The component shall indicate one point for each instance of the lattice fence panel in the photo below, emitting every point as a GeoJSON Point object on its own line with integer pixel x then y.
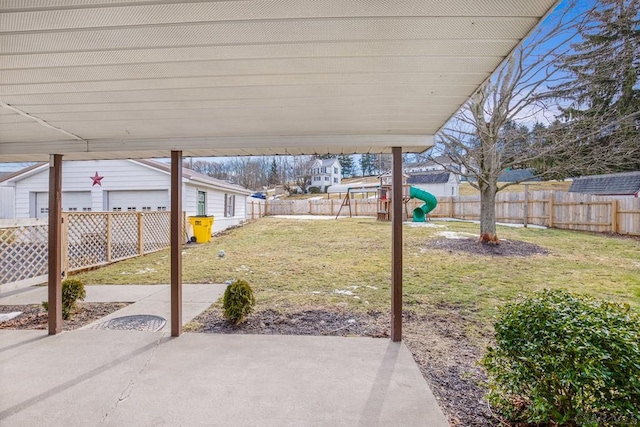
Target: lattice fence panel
{"type": "Point", "coordinates": [156, 230]}
{"type": "Point", "coordinates": [23, 252]}
{"type": "Point", "coordinates": [124, 235]}
{"type": "Point", "coordinates": [87, 239]}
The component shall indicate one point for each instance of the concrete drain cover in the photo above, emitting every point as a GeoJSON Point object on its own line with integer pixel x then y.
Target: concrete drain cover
{"type": "Point", "coordinates": [139, 322]}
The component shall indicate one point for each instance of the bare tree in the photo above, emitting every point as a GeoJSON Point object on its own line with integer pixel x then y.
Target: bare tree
{"type": "Point", "coordinates": [485, 138]}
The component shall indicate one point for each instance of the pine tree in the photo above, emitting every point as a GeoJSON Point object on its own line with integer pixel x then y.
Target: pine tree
{"type": "Point", "coordinates": [605, 86]}
{"type": "Point", "coordinates": [273, 178]}
{"type": "Point", "coordinates": [348, 167]}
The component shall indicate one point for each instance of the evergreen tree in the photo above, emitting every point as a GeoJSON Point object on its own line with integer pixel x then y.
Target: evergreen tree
{"type": "Point", "coordinates": [368, 164]}
{"type": "Point", "coordinates": [348, 167]}
{"type": "Point", "coordinates": [604, 90]}
{"type": "Point", "coordinates": [273, 178]}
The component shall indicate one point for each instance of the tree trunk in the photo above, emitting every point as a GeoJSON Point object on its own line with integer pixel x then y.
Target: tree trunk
{"type": "Point", "coordinates": [488, 214]}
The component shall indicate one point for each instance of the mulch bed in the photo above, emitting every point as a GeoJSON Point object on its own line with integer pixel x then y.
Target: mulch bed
{"type": "Point", "coordinates": [504, 248]}
{"type": "Point", "coordinates": [35, 317]}
{"type": "Point", "coordinates": [439, 345]}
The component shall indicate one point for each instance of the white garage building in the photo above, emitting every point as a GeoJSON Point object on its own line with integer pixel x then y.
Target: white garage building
{"type": "Point", "coordinates": [125, 186]}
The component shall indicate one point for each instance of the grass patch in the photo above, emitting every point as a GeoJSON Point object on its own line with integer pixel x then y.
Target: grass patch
{"type": "Point", "coordinates": [346, 263]}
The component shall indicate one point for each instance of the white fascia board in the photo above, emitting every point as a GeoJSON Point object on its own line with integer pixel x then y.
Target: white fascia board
{"type": "Point", "coordinates": [216, 146]}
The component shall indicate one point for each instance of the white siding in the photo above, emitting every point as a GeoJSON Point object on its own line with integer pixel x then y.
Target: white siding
{"type": "Point", "coordinates": [7, 203]}
{"type": "Point", "coordinates": [215, 206]}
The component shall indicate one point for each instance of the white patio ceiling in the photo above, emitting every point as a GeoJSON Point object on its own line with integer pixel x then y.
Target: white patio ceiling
{"type": "Point", "coordinates": [136, 79]}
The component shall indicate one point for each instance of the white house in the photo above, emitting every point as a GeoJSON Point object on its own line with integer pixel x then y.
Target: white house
{"type": "Point", "coordinates": [325, 172]}
{"type": "Point", "coordinates": [438, 164]}
{"type": "Point", "coordinates": [438, 183]}
{"type": "Point", "coordinates": [125, 186]}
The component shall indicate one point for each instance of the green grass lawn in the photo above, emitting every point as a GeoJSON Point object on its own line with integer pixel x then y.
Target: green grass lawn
{"type": "Point", "coordinates": [346, 263]}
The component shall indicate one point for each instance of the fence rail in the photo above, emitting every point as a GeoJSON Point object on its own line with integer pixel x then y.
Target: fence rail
{"type": "Point", "coordinates": [549, 208]}
{"type": "Point", "coordinates": [89, 239]}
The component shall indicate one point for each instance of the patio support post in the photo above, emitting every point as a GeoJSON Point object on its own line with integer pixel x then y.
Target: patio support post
{"type": "Point", "coordinates": [396, 246]}
{"type": "Point", "coordinates": [176, 243]}
{"type": "Point", "coordinates": [55, 245]}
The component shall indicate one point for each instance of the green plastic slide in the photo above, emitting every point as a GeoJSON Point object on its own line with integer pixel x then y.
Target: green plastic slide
{"type": "Point", "coordinates": [430, 203]}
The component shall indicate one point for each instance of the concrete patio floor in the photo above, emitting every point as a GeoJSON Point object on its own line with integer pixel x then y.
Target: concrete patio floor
{"type": "Point", "coordinates": [115, 378]}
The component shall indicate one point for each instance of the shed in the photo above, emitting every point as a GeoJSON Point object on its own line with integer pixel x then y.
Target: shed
{"type": "Point", "coordinates": [438, 183]}
{"type": "Point", "coordinates": [615, 184]}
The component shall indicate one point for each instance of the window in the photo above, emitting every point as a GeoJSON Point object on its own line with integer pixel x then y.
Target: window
{"type": "Point", "coordinates": [335, 180]}
{"type": "Point", "coordinates": [44, 210]}
{"type": "Point", "coordinates": [72, 209]}
{"type": "Point", "coordinates": [146, 208]}
{"type": "Point", "coordinates": [162, 208]}
{"type": "Point", "coordinates": [202, 203]}
{"type": "Point", "coordinates": [324, 170]}
{"type": "Point", "coordinates": [131, 209]}
{"type": "Point", "coordinates": [335, 170]}
{"type": "Point", "coordinates": [229, 205]}
{"type": "Point", "coordinates": [117, 209]}
{"type": "Point", "coordinates": [86, 209]}
{"type": "Point", "coordinates": [326, 178]}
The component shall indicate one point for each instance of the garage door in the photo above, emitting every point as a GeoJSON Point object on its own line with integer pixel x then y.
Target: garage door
{"type": "Point", "coordinates": [72, 201]}
{"type": "Point", "coordinates": [132, 201]}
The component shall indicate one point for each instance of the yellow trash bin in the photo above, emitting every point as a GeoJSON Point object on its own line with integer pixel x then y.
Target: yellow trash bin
{"type": "Point", "coordinates": [201, 227]}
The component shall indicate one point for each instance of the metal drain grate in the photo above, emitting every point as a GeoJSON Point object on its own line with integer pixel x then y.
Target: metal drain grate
{"type": "Point", "coordinates": [138, 322]}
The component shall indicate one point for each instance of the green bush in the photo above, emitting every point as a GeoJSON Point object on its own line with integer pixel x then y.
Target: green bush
{"type": "Point", "coordinates": [314, 190]}
{"type": "Point", "coordinates": [238, 301]}
{"type": "Point", "coordinates": [567, 360]}
{"type": "Point", "coordinates": [72, 291]}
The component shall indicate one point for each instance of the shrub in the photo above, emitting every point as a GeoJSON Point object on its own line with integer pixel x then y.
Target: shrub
{"type": "Point", "coordinates": [566, 359]}
{"type": "Point", "coordinates": [72, 291]}
{"type": "Point", "coordinates": [314, 190]}
{"type": "Point", "coordinates": [238, 301]}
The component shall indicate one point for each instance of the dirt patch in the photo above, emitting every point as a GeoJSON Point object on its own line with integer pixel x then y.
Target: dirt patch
{"type": "Point", "coordinates": [473, 246]}
{"type": "Point", "coordinates": [35, 317]}
{"type": "Point", "coordinates": [441, 348]}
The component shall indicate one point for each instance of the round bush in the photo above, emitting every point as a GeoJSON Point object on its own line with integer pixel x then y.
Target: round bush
{"type": "Point", "coordinates": [72, 291]}
{"type": "Point", "coordinates": [565, 359]}
{"type": "Point", "coordinates": [238, 301]}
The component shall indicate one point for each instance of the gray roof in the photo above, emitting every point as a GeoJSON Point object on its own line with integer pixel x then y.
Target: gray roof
{"type": "Point", "coordinates": [515, 175]}
{"type": "Point", "coordinates": [626, 183]}
{"type": "Point", "coordinates": [429, 178]}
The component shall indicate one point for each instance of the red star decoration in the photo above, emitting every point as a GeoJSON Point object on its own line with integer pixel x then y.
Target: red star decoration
{"type": "Point", "coordinates": [96, 179]}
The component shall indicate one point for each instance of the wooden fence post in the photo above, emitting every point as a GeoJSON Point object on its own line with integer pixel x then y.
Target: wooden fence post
{"type": "Point", "coordinates": [614, 216]}
{"type": "Point", "coordinates": [453, 207]}
{"type": "Point", "coordinates": [140, 233]}
{"type": "Point", "coordinates": [355, 206]}
{"type": "Point", "coordinates": [551, 199]}
{"type": "Point", "coordinates": [525, 220]}
{"type": "Point", "coordinates": [109, 215]}
{"type": "Point", "coordinates": [331, 201]}
{"type": "Point", "coordinates": [309, 207]}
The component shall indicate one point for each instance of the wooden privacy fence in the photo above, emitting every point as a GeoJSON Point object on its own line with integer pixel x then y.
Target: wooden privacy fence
{"type": "Point", "coordinates": [256, 209]}
{"type": "Point", "coordinates": [88, 240]}
{"type": "Point", "coordinates": [571, 211]}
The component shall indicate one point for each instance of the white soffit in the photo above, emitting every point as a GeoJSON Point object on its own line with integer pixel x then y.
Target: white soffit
{"type": "Point", "coordinates": [136, 79]}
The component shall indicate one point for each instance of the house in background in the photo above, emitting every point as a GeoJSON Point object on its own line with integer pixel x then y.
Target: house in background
{"type": "Point", "coordinates": [325, 172]}
{"type": "Point", "coordinates": [125, 186]}
{"type": "Point", "coordinates": [615, 184]}
{"type": "Point", "coordinates": [438, 183]}
{"type": "Point", "coordinates": [438, 164]}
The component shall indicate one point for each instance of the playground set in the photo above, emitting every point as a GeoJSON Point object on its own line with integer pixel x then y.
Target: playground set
{"type": "Point", "coordinates": [383, 190]}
